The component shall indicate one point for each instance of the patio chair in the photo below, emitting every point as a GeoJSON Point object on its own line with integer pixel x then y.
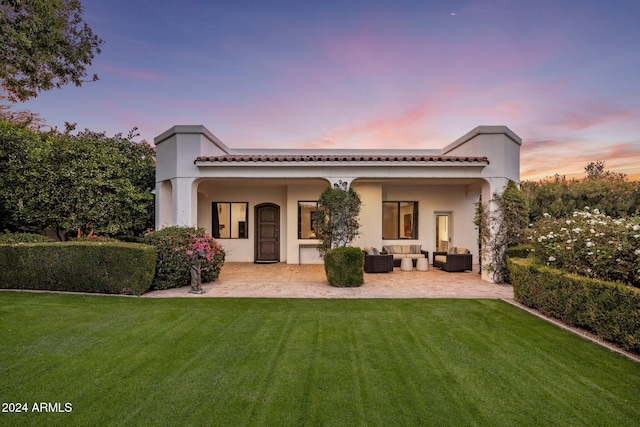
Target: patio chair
{"type": "Point", "coordinates": [456, 260]}
{"type": "Point", "coordinates": [380, 263]}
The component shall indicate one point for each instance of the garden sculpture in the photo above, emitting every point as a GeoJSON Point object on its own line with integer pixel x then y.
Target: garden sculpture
{"type": "Point", "coordinates": [196, 276]}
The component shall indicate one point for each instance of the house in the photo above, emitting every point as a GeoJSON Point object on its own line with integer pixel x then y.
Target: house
{"type": "Point", "coordinates": [258, 203]}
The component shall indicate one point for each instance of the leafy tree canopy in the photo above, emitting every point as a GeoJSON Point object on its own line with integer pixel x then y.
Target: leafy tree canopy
{"type": "Point", "coordinates": [58, 181]}
{"type": "Point", "coordinates": [44, 44]}
{"type": "Point", "coordinates": [335, 223]}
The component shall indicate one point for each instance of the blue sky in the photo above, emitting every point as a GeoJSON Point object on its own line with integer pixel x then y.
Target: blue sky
{"type": "Point", "coordinates": [563, 75]}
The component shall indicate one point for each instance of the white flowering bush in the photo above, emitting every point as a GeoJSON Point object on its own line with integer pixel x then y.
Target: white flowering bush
{"type": "Point", "coordinates": [591, 244]}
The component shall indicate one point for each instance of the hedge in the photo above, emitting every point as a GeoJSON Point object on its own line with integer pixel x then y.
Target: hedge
{"type": "Point", "coordinates": [344, 267]}
{"type": "Point", "coordinates": [610, 310]}
{"type": "Point", "coordinates": [112, 268]}
{"type": "Point", "coordinates": [10, 238]}
{"type": "Point", "coordinates": [520, 251]}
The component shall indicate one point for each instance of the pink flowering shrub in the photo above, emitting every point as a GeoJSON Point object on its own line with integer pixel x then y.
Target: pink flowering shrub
{"type": "Point", "coordinates": [175, 247]}
{"type": "Point", "coordinates": [591, 244]}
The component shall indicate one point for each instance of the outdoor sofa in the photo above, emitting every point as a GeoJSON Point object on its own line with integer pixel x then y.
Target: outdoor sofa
{"type": "Point", "coordinates": [456, 259]}
{"type": "Point", "coordinates": [405, 251]}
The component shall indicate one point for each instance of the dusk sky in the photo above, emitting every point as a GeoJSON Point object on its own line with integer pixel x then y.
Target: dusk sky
{"type": "Point", "coordinates": [562, 74]}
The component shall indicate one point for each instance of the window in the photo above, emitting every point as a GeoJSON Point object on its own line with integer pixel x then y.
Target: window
{"type": "Point", "coordinates": [229, 220]}
{"type": "Point", "coordinates": [305, 219]}
{"type": "Point", "coordinates": [399, 220]}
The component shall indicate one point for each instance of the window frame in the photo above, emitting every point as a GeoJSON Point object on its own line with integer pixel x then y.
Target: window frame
{"type": "Point", "coordinates": [310, 220]}
{"type": "Point", "coordinates": [399, 220]}
{"type": "Point", "coordinates": [215, 221]}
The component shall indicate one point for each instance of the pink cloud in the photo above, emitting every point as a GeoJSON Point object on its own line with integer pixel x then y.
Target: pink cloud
{"type": "Point", "coordinates": [404, 130]}
{"type": "Point", "coordinates": [540, 159]}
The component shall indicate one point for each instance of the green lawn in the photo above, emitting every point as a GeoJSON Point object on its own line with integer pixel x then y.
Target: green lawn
{"type": "Point", "coordinates": [232, 362]}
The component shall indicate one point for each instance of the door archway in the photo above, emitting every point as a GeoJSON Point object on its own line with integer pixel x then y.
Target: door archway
{"type": "Point", "coordinates": [267, 232]}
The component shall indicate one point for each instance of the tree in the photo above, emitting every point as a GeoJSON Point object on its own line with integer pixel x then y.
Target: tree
{"type": "Point", "coordinates": [596, 170]}
{"type": "Point", "coordinates": [16, 142]}
{"type": "Point", "coordinates": [65, 182]}
{"type": "Point", "coordinates": [44, 44]}
{"type": "Point", "coordinates": [25, 118]}
{"type": "Point", "coordinates": [335, 223]}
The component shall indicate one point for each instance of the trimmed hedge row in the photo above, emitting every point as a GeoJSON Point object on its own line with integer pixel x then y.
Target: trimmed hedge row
{"type": "Point", "coordinates": [344, 267]}
{"type": "Point", "coordinates": [609, 310]}
{"type": "Point", "coordinates": [105, 267]}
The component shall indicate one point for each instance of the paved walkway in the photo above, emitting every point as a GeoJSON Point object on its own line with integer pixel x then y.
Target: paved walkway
{"type": "Point", "coordinates": [309, 281]}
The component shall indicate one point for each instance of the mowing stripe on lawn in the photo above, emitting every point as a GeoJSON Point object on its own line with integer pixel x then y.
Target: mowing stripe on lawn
{"type": "Point", "coordinates": [132, 361]}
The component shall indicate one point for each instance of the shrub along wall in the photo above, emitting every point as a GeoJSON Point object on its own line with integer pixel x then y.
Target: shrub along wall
{"type": "Point", "coordinates": [609, 310]}
{"type": "Point", "coordinates": [112, 268]}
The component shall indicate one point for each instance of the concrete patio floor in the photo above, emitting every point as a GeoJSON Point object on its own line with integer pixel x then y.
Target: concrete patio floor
{"type": "Point", "coordinates": [248, 280]}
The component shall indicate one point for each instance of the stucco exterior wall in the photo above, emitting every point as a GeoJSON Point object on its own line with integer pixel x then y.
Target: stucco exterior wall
{"type": "Point", "coordinates": [188, 181]}
{"type": "Point", "coordinates": [299, 192]}
{"type": "Point", "coordinates": [370, 214]}
{"type": "Point", "coordinates": [498, 143]}
{"type": "Point", "coordinates": [242, 250]}
{"type": "Point", "coordinates": [456, 200]}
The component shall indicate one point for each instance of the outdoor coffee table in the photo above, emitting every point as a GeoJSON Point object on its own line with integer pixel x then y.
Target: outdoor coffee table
{"type": "Point", "coordinates": [422, 264]}
{"type": "Point", "coordinates": [406, 264]}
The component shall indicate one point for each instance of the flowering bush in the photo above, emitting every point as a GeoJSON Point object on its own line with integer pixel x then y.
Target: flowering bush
{"type": "Point", "coordinates": [175, 246]}
{"type": "Point", "coordinates": [591, 244]}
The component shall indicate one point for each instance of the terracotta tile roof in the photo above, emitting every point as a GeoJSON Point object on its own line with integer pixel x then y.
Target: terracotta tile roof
{"type": "Point", "coordinates": [349, 158]}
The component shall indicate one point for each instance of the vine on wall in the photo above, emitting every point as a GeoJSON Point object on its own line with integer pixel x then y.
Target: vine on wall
{"type": "Point", "coordinates": [501, 228]}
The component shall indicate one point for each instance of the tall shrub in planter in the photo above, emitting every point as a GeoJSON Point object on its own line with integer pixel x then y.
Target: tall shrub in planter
{"type": "Point", "coordinates": [335, 224]}
{"type": "Point", "coordinates": [175, 247]}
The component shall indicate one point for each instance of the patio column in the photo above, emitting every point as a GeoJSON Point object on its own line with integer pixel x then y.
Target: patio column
{"type": "Point", "coordinates": [164, 204]}
{"type": "Point", "coordinates": [490, 186]}
{"type": "Point", "coordinates": [184, 202]}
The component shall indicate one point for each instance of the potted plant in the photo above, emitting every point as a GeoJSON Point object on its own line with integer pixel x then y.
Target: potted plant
{"type": "Point", "coordinates": [336, 225]}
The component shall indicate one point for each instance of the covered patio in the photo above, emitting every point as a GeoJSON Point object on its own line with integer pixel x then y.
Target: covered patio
{"type": "Point", "coordinates": [281, 280]}
{"type": "Point", "coordinates": [258, 202]}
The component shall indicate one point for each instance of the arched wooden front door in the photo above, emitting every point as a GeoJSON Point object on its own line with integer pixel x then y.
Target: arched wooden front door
{"type": "Point", "coordinates": [267, 245]}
